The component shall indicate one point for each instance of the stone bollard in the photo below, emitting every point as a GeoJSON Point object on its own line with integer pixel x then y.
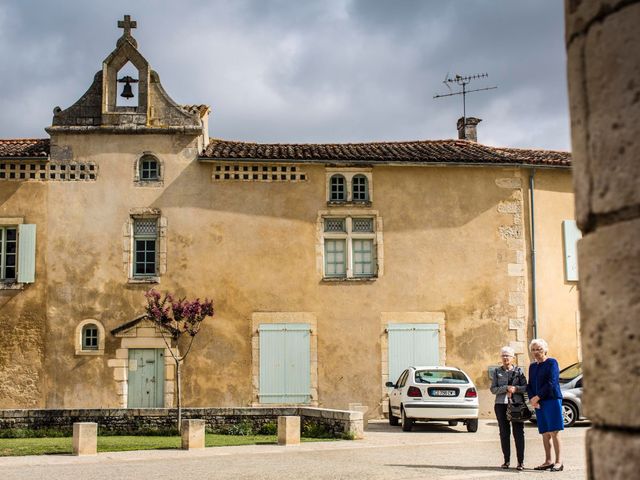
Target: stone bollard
{"type": "Point", "coordinates": [355, 425]}
{"type": "Point", "coordinates": [288, 430]}
{"type": "Point", "coordinates": [85, 438]}
{"type": "Point", "coordinates": [192, 434]}
{"type": "Point", "coordinates": [358, 407]}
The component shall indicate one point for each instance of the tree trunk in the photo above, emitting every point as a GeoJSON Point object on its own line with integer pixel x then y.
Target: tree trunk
{"type": "Point", "coordinates": [179, 395]}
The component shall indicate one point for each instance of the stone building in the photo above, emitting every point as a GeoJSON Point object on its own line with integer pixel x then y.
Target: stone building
{"type": "Point", "coordinates": [332, 266]}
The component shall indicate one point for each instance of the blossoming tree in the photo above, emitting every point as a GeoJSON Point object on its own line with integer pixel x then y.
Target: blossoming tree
{"type": "Point", "coordinates": [177, 318]}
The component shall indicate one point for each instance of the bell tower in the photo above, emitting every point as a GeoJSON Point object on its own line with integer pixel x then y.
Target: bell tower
{"type": "Point", "coordinates": [126, 52]}
{"type": "Point", "coordinates": [126, 96]}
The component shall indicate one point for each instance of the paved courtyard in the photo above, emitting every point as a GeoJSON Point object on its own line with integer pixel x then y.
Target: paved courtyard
{"type": "Point", "coordinates": [429, 452]}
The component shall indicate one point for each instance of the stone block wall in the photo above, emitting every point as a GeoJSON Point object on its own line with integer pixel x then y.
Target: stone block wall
{"type": "Point", "coordinates": [121, 420]}
{"type": "Point", "coordinates": [604, 93]}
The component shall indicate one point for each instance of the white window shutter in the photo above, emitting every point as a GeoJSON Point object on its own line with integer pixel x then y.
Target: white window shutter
{"type": "Point", "coordinates": [26, 253]}
{"type": "Point", "coordinates": [571, 236]}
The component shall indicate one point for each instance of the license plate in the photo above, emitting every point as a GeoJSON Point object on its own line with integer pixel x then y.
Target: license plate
{"type": "Point", "coordinates": [443, 393]}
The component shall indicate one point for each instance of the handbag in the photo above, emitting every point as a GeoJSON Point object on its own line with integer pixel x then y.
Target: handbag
{"type": "Point", "coordinates": [518, 412]}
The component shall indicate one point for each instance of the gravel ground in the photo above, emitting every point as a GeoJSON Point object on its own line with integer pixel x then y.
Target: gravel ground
{"type": "Point", "coordinates": [431, 451]}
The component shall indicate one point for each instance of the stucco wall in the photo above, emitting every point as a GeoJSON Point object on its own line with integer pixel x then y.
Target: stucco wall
{"type": "Point", "coordinates": [454, 244]}
{"type": "Point", "coordinates": [558, 317]}
{"type": "Point", "coordinates": [22, 310]}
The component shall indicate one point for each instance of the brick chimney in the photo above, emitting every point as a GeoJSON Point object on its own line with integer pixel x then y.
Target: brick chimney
{"type": "Point", "coordinates": [468, 131]}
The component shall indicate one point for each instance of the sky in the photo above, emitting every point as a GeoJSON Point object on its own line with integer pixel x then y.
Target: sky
{"type": "Point", "coordinates": [304, 71]}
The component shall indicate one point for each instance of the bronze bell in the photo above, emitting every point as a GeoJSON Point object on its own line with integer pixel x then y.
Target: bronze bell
{"type": "Point", "coordinates": [127, 92]}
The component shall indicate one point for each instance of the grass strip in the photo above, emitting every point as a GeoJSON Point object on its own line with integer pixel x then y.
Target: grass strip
{"type": "Point", "coordinates": [64, 445]}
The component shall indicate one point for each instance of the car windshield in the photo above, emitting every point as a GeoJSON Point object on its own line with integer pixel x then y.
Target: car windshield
{"type": "Point", "coordinates": [440, 376]}
{"type": "Point", "coordinates": [569, 373]}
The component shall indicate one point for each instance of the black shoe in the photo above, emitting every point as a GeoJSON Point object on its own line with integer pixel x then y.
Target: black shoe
{"type": "Point", "coordinates": [520, 467]}
{"type": "Point", "coordinates": [544, 467]}
{"type": "Point", "coordinates": [505, 465]}
{"type": "Point", "coordinates": [556, 469]}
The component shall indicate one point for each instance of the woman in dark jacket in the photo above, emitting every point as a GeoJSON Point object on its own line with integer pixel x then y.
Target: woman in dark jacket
{"type": "Point", "coordinates": [508, 383]}
{"type": "Point", "coordinates": [545, 396]}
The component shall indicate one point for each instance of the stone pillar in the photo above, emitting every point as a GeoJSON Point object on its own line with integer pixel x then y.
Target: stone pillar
{"type": "Point", "coordinates": [603, 39]}
{"type": "Point", "coordinates": [288, 430]}
{"type": "Point", "coordinates": [85, 438]}
{"type": "Point", "coordinates": [358, 407]}
{"type": "Point", "coordinates": [193, 434]}
{"type": "Point", "coordinates": [354, 427]}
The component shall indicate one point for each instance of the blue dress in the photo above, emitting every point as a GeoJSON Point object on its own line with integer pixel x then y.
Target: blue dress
{"type": "Point", "coordinates": [543, 382]}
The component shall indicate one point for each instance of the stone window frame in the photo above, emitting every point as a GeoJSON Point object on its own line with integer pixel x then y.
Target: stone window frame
{"type": "Point", "coordinates": [79, 346]}
{"type": "Point", "coordinates": [128, 248]}
{"type": "Point", "coordinates": [137, 179]}
{"type": "Point", "coordinates": [377, 236]}
{"type": "Point", "coordinates": [259, 318]}
{"type": "Point", "coordinates": [348, 173]}
{"type": "Point", "coordinates": [12, 285]}
{"type": "Point", "coordinates": [387, 318]}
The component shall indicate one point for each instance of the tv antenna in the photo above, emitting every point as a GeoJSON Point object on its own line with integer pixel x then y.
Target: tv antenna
{"type": "Point", "coordinates": [463, 81]}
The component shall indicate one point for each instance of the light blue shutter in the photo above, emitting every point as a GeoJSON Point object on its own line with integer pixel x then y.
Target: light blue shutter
{"type": "Point", "coordinates": [571, 235]}
{"type": "Point", "coordinates": [285, 363]}
{"type": "Point", "coordinates": [26, 253]}
{"type": "Point", "coordinates": [411, 345]}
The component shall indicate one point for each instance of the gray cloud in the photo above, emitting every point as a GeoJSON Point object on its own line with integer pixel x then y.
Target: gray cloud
{"type": "Point", "coordinates": [304, 71]}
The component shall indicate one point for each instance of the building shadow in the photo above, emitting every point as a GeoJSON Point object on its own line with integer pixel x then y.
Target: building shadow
{"type": "Point", "coordinates": [457, 467]}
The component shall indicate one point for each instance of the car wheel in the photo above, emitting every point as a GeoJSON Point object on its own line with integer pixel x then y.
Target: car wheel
{"type": "Point", "coordinates": [393, 420]}
{"type": "Point", "coordinates": [569, 414]}
{"type": "Point", "coordinates": [453, 423]}
{"type": "Point", "coordinates": [472, 425]}
{"type": "Point", "coordinates": [407, 423]}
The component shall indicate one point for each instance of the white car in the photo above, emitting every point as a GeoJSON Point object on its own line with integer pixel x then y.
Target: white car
{"type": "Point", "coordinates": [433, 393]}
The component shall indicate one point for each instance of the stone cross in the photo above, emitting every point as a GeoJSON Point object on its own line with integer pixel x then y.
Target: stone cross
{"type": "Point", "coordinates": [127, 25]}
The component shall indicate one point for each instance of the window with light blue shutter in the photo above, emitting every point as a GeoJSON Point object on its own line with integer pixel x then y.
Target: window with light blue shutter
{"type": "Point", "coordinates": [285, 363]}
{"type": "Point", "coordinates": [412, 345]}
{"type": "Point", "coordinates": [571, 235]}
{"type": "Point", "coordinates": [26, 253]}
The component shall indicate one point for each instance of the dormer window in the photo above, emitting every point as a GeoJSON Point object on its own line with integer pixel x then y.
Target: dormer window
{"type": "Point", "coordinates": [148, 171]}
{"type": "Point", "coordinates": [360, 188]}
{"type": "Point", "coordinates": [149, 168]}
{"type": "Point", "coordinates": [338, 189]}
{"type": "Point", "coordinates": [350, 186]}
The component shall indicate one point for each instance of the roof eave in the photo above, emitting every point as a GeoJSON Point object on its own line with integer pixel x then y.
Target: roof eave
{"type": "Point", "coordinates": [396, 163]}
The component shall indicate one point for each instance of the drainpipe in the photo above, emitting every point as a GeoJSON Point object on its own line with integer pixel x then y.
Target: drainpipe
{"type": "Point", "coordinates": [534, 300]}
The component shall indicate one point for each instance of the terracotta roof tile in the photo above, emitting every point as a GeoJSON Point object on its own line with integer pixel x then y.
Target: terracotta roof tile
{"type": "Point", "coordinates": [24, 148]}
{"type": "Point", "coordinates": [424, 151]}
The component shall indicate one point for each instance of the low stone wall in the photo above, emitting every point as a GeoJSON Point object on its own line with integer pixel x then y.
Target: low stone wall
{"type": "Point", "coordinates": [121, 421]}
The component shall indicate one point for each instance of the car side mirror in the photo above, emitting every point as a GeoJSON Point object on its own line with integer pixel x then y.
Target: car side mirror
{"type": "Point", "coordinates": [390, 384]}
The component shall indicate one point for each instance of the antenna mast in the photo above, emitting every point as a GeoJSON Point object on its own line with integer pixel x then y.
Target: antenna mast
{"type": "Point", "coordinates": [463, 81]}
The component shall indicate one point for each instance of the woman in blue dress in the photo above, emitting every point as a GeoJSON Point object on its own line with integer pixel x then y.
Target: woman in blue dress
{"type": "Point", "coordinates": [545, 396]}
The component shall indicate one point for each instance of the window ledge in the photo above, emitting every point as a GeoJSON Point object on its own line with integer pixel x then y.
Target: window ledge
{"type": "Point", "coordinates": [148, 183]}
{"type": "Point", "coordinates": [144, 280]}
{"type": "Point", "coordinates": [90, 352]}
{"type": "Point", "coordinates": [361, 203]}
{"type": "Point", "coordinates": [12, 286]}
{"type": "Point", "coordinates": [350, 280]}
